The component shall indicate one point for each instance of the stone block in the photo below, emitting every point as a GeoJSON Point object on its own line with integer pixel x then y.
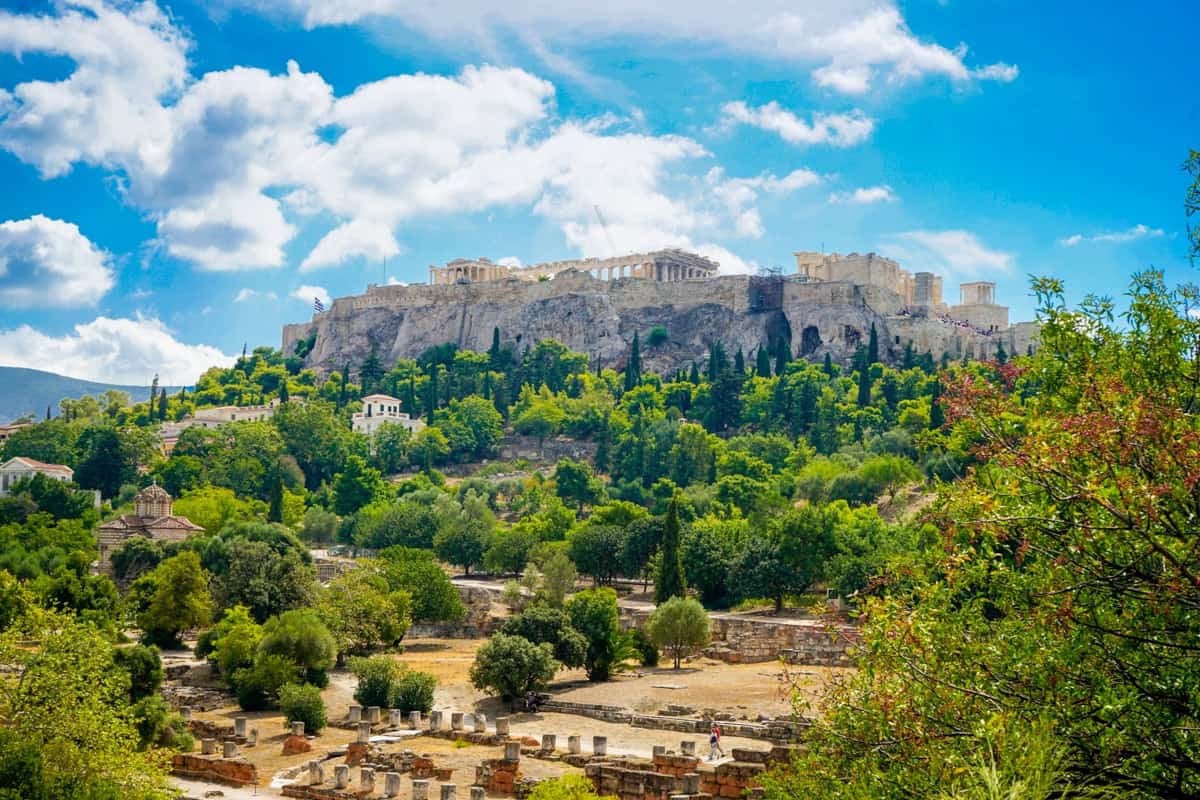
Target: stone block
{"type": "Point", "coordinates": [574, 744]}
{"type": "Point", "coordinates": [229, 750]}
{"type": "Point", "coordinates": [252, 737]}
{"type": "Point", "coordinates": [414, 720]}
{"type": "Point", "coordinates": [688, 747]}
{"type": "Point", "coordinates": [420, 789]}
{"type": "Point", "coordinates": [373, 714]}
{"type": "Point", "coordinates": [366, 780]}
{"type": "Point", "coordinates": [341, 776]}
{"type": "Point", "coordinates": [512, 751]}
{"type": "Point", "coordinates": [456, 721]}
{"type": "Point", "coordinates": [186, 713]}
{"type": "Point", "coordinates": [480, 722]}
{"type": "Point", "coordinates": [502, 728]}
{"type": "Point", "coordinates": [395, 717]}
{"type": "Point", "coordinates": [297, 729]}
{"type": "Point", "coordinates": [600, 745]}
{"type": "Point", "coordinates": [355, 713]}
{"type": "Point", "coordinates": [449, 791]}
{"type": "Point", "coordinates": [364, 733]}
{"type": "Point", "coordinates": [391, 784]}
{"type": "Point", "coordinates": [316, 773]}
{"type": "Point", "coordinates": [208, 747]}
{"type": "Point", "coordinates": [549, 741]}
{"type": "Point", "coordinates": [478, 793]}
{"type": "Point", "coordinates": [435, 720]}
{"type": "Point", "coordinates": [691, 783]}
{"type": "Point", "coordinates": [239, 727]}
{"type": "Point", "coordinates": [295, 744]}
{"type": "Point", "coordinates": [659, 750]}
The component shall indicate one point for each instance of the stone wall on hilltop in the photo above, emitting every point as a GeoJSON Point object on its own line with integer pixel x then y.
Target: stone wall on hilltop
{"type": "Point", "coordinates": [600, 318]}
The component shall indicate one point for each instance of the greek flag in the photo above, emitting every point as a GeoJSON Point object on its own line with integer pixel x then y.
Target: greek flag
{"type": "Point", "coordinates": [318, 306]}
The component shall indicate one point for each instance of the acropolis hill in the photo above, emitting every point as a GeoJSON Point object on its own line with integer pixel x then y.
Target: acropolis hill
{"type": "Point", "coordinates": [595, 306]}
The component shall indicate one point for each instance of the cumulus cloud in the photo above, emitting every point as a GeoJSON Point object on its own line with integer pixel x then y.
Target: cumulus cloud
{"type": "Point", "coordinates": [955, 252]}
{"type": "Point", "coordinates": [370, 240]}
{"type": "Point", "coordinates": [838, 130]}
{"type": "Point", "coordinates": [308, 293]}
{"type": "Point", "coordinates": [246, 295]}
{"type": "Point", "coordinates": [126, 351]}
{"type": "Point", "coordinates": [864, 195]}
{"type": "Point", "coordinates": [1113, 237]}
{"type": "Point", "coordinates": [231, 165]}
{"type": "Point", "coordinates": [48, 262]}
{"type": "Point", "coordinates": [848, 44]}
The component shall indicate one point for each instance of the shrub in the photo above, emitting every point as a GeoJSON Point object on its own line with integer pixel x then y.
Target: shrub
{"type": "Point", "coordinates": [258, 686]}
{"type": "Point", "coordinates": [158, 726]}
{"type": "Point", "coordinates": [510, 666]}
{"type": "Point", "coordinates": [377, 678]}
{"type": "Point", "coordinates": [414, 692]}
{"type": "Point", "coordinates": [144, 667]}
{"type": "Point", "coordinates": [658, 335]}
{"type": "Point", "coordinates": [568, 787]}
{"type": "Point", "coordinates": [647, 648]}
{"type": "Point", "coordinates": [303, 703]}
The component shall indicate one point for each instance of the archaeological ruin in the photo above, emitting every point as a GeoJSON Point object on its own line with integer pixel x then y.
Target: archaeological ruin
{"type": "Point", "coordinates": [597, 306]}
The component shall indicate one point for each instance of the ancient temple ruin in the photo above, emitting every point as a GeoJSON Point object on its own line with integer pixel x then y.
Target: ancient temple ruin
{"type": "Point", "coordinates": [665, 266]}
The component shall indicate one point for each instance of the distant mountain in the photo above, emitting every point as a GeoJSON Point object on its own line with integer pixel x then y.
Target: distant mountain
{"type": "Point", "coordinates": [29, 391]}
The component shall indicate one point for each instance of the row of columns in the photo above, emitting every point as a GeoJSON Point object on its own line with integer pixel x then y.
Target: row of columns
{"type": "Point", "coordinates": [391, 783]}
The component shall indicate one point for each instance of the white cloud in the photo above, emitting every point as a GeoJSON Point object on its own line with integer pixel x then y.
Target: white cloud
{"type": "Point", "coordinates": [109, 110]}
{"type": "Point", "coordinates": [731, 264]}
{"type": "Point", "coordinates": [737, 197]}
{"type": "Point", "coordinates": [308, 293]}
{"type": "Point", "coordinates": [1114, 237]}
{"type": "Point", "coordinates": [373, 241]}
{"type": "Point", "coordinates": [126, 351]}
{"type": "Point", "coordinates": [847, 43]}
{"type": "Point", "coordinates": [865, 195]}
{"type": "Point", "coordinates": [839, 130]}
{"type": "Point", "coordinates": [955, 252]}
{"type": "Point", "coordinates": [246, 295]}
{"type": "Point", "coordinates": [232, 164]}
{"type": "Point", "coordinates": [48, 262]}
{"type": "Point", "coordinates": [509, 261]}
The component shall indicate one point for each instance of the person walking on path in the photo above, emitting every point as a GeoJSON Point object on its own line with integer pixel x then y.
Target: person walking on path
{"type": "Point", "coordinates": [714, 743]}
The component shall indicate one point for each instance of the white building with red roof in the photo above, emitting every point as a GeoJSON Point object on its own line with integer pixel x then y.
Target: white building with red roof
{"type": "Point", "coordinates": [19, 468]}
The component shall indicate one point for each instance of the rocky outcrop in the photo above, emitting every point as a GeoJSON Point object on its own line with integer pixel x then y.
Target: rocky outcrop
{"type": "Point", "coordinates": [600, 318]}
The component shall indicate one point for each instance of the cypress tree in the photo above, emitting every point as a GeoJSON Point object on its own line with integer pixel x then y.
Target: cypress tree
{"type": "Point", "coordinates": [669, 581]}
{"type": "Point", "coordinates": [602, 447]}
{"type": "Point", "coordinates": [945, 360]}
{"type": "Point", "coordinates": [162, 406]}
{"type": "Point", "coordinates": [370, 372]}
{"type": "Point", "coordinates": [781, 359]}
{"type": "Point", "coordinates": [431, 394]}
{"type": "Point", "coordinates": [48, 412]}
{"type": "Point", "coordinates": [910, 356]}
{"type": "Point", "coordinates": [1001, 354]}
{"type": "Point", "coordinates": [762, 366]}
{"type": "Point", "coordinates": [864, 385]}
{"type": "Point", "coordinates": [937, 418]}
{"type": "Point", "coordinates": [633, 368]}
{"type": "Point", "coordinates": [873, 346]}
{"type": "Point", "coordinates": [410, 396]}
{"type": "Point", "coordinates": [283, 392]}
{"type": "Point", "coordinates": [275, 511]}
{"type": "Point", "coordinates": [739, 364]}
{"type": "Point", "coordinates": [828, 365]}
{"type": "Point", "coordinates": [344, 395]}
{"type": "Point", "coordinates": [494, 351]}
{"type": "Point", "coordinates": [694, 375]}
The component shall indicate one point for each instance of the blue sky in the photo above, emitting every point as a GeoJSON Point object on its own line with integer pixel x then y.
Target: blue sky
{"type": "Point", "coordinates": [182, 179]}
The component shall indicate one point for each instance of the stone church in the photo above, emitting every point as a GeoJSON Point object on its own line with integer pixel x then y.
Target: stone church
{"type": "Point", "coordinates": [152, 518]}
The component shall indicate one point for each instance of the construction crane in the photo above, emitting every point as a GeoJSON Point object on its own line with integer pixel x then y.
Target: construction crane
{"type": "Point", "coordinates": [612, 248]}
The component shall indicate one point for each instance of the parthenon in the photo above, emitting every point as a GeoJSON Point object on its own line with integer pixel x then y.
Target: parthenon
{"type": "Point", "coordinates": [668, 265]}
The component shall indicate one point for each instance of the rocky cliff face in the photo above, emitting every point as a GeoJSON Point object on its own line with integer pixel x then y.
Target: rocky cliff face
{"type": "Point", "coordinates": [600, 318]}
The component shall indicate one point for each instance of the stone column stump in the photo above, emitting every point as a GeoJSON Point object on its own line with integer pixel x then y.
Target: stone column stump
{"type": "Point", "coordinates": [480, 721]}
{"type": "Point", "coordinates": [574, 744]}
{"type": "Point", "coordinates": [373, 714]}
{"type": "Point", "coordinates": [449, 790]}
{"type": "Point", "coordinates": [355, 713]}
{"type": "Point", "coordinates": [420, 789]}
{"type": "Point", "coordinates": [549, 741]}
{"type": "Point", "coordinates": [599, 745]}
{"type": "Point", "coordinates": [229, 749]}
{"type": "Point", "coordinates": [391, 784]}
{"type": "Point", "coordinates": [366, 780]}
{"type": "Point", "coordinates": [341, 776]}
{"type": "Point", "coordinates": [208, 747]}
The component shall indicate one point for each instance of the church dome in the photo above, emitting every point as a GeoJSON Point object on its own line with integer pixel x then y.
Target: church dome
{"type": "Point", "coordinates": [153, 501]}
